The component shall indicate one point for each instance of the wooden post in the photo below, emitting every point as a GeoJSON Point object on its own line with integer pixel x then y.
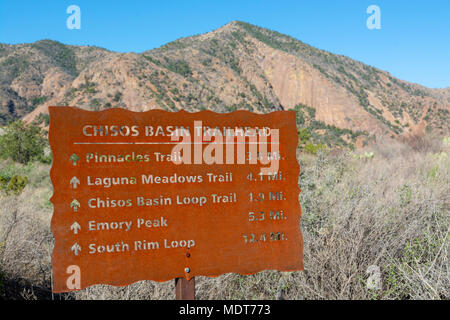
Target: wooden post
{"type": "Point", "coordinates": [184, 289]}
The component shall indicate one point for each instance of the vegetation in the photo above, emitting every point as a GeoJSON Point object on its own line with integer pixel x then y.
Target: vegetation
{"type": "Point", "coordinates": [88, 86]}
{"type": "Point", "coordinates": [42, 118]}
{"type": "Point", "coordinates": [22, 143]}
{"type": "Point", "coordinates": [356, 219]}
{"type": "Point", "coordinates": [38, 100]}
{"type": "Point", "coordinates": [318, 134]}
{"type": "Point", "coordinates": [304, 135]}
{"type": "Point", "coordinates": [314, 148]}
{"type": "Point", "coordinates": [14, 184]}
{"type": "Point", "coordinates": [181, 67]}
{"type": "Point", "coordinates": [223, 51]}
{"type": "Point", "coordinates": [152, 60]}
{"type": "Point", "coordinates": [14, 66]}
{"type": "Point", "coordinates": [275, 39]}
{"type": "Point", "coordinates": [117, 96]}
{"type": "Point", "coordinates": [63, 55]}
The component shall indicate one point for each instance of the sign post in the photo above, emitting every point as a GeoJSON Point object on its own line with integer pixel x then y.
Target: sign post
{"type": "Point", "coordinates": [161, 196]}
{"type": "Point", "coordinates": [184, 289]}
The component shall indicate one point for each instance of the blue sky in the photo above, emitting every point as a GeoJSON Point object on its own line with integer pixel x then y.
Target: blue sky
{"type": "Point", "coordinates": [413, 43]}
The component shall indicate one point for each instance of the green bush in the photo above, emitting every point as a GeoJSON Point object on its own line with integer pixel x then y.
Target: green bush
{"type": "Point", "coordinates": [42, 118]}
{"type": "Point", "coordinates": [117, 96]}
{"type": "Point", "coordinates": [314, 148]}
{"type": "Point", "coordinates": [16, 184]}
{"type": "Point", "coordinates": [180, 67]}
{"type": "Point", "coordinates": [38, 100]}
{"type": "Point", "coordinates": [22, 143]}
{"type": "Point", "coordinates": [12, 183]}
{"type": "Point", "coordinates": [304, 135]}
{"type": "Point", "coordinates": [3, 183]}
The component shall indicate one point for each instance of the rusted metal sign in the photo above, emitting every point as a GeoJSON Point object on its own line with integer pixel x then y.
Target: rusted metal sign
{"type": "Point", "coordinates": [160, 195]}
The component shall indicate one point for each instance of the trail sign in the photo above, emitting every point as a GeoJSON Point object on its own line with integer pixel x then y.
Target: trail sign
{"type": "Point", "coordinates": [159, 195]}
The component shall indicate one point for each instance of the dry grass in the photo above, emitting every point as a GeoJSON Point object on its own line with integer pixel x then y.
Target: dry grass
{"type": "Point", "coordinates": [388, 213]}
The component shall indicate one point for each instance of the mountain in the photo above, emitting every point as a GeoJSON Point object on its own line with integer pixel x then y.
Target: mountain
{"type": "Point", "coordinates": [239, 66]}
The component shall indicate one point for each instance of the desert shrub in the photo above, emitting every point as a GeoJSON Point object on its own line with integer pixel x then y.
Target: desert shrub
{"type": "Point", "coordinates": [389, 212]}
{"type": "Point", "coordinates": [355, 215]}
{"type": "Point", "coordinates": [42, 118]}
{"type": "Point", "coordinates": [22, 143]}
{"type": "Point", "coordinates": [15, 185]}
{"type": "Point", "coordinates": [3, 183]}
{"type": "Point", "coordinates": [6, 173]}
{"type": "Point", "coordinates": [117, 96]}
{"type": "Point", "coordinates": [11, 182]}
{"type": "Point", "coordinates": [181, 67]}
{"type": "Point", "coordinates": [314, 148]}
{"type": "Point", "coordinates": [36, 172]}
{"type": "Point", "coordinates": [231, 108]}
{"type": "Point", "coordinates": [423, 143]}
{"type": "Point", "coordinates": [38, 100]}
{"type": "Point", "coordinates": [304, 135]}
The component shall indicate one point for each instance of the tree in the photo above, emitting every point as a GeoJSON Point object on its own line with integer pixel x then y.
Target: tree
{"type": "Point", "coordinates": [21, 142]}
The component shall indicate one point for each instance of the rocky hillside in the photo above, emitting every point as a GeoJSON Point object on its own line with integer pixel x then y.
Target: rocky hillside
{"type": "Point", "coordinates": [239, 66]}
